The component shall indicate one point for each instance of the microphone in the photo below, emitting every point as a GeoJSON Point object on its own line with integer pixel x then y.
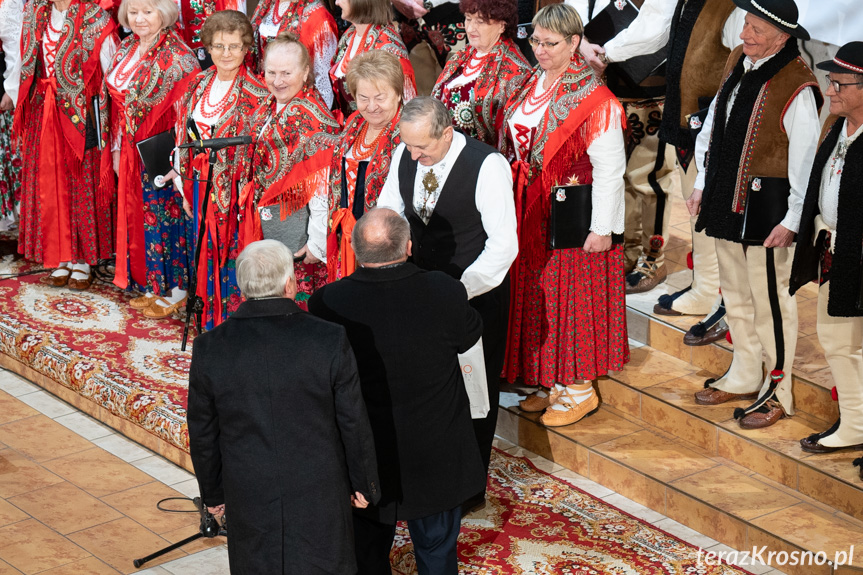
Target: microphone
{"type": "Point", "coordinates": [218, 143]}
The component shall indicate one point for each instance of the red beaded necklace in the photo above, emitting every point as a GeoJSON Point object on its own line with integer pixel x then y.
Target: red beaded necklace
{"type": "Point", "coordinates": [470, 69]}
{"type": "Point", "coordinates": [51, 44]}
{"type": "Point", "coordinates": [220, 106]}
{"type": "Point", "coordinates": [121, 74]}
{"type": "Point", "coordinates": [361, 150]}
{"type": "Point", "coordinates": [276, 17]}
{"type": "Point", "coordinates": [343, 68]}
{"type": "Point", "coordinates": [538, 101]}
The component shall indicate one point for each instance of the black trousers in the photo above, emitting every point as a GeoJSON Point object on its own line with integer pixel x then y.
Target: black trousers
{"type": "Point", "coordinates": [435, 540]}
{"type": "Point", "coordinates": [493, 306]}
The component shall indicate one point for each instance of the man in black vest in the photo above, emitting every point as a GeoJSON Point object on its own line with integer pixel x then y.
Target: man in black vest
{"type": "Point", "coordinates": [829, 248]}
{"type": "Point", "coordinates": [456, 194]}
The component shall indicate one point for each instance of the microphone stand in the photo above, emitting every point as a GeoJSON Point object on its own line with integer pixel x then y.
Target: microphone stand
{"type": "Point", "coordinates": [209, 527]}
{"type": "Point", "coordinates": [194, 302]}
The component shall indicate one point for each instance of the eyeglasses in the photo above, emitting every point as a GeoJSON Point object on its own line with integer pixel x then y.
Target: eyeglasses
{"type": "Point", "coordinates": [545, 45]}
{"type": "Point", "coordinates": [837, 85]}
{"type": "Point", "coordinates": [228, 48]}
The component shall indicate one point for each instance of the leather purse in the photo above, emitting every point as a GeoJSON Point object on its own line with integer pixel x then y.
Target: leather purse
{"type": "Point", "coordinates": [766, 206]}
{"type": "Point", "coordinates": [571, 209]}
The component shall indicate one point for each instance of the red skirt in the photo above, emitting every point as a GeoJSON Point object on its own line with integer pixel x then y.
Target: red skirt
{"type": "Point", "coordinates": [568, 320]}
{"type": "Point", "coordinates": [90, 226]}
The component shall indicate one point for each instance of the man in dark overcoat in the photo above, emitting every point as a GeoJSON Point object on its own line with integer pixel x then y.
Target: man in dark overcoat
{"type": "Point", "coordinates": [407, 327]}
{"type": "Point", "coordinates": [278, 431]}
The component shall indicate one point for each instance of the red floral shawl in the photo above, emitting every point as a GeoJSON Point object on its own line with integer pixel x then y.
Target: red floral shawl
{"type": "Point", "coordinates": [290, 160]}
{"type": "Point", "coordinates": [377, 37]}
{"type": "Point", "coordinates": [159, 82]}
{"type": "Point", "coordinates": [498, 81]}
{"type": "Point", "coordinates": [342, 219]}
{"type": "Point", "coordinates": [77, 69]}
{"type": "Point", "coordinates": [309, 20]}
{"type": "Point", "coordinates": [581, 109]}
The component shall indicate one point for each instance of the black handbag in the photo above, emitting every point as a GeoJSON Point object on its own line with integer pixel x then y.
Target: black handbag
{"type": "Point", "coordinates": [765, 208]}
{"type": "Point", "coordinates": [571, 209]}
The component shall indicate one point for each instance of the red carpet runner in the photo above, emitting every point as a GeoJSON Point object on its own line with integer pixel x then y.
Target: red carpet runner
{"type": "Point", "coordinates": [536, 524]}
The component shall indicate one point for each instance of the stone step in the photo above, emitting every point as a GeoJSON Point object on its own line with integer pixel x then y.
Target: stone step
{"type": "Point", "coordinates": [703, 489]}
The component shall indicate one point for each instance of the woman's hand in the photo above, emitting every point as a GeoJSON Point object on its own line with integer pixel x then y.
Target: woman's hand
{"type": "Point", "coordinates": [187, 207]}
{"type": "Point", "coordinates": [115, 161]}
{"type": "Point", "coordinates": [6, 103]}
{"type": "Point", "coordinates": [596, 243]}
{"type": "Point", "coordinates": [309, 257]}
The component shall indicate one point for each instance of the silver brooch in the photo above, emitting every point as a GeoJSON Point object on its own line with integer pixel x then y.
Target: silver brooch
{"type": "Point", "coordinates": [560, 196]}
{"type": "Point", "coordinates": [756, 185]}
{"type": "Point", "coordinates": [695, 123]}
{"type": "Point", "coordinates": [266, 214]}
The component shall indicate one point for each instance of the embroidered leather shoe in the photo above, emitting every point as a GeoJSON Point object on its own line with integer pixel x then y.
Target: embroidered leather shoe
{"type": "Point", "coordinates": [574, 413]}
{"type": "Point", "coordinates": [713, 396]}
{"type": "Point", "coordinates": [645, 277]}
{"type": "Point", "coordinates": [80, 284]}
{"type": "Point", "coordinates": [696, 337]}
{"type": "Point", "coordinates": [533, 403]}
{"type": "Point", "coordinates": [142, 302]}
{"type": "Point", "coordinates": [767, 415]}
{"type": "Point", "coordinates": [57, 280]}
{"type": "Point", "coordinates": [810, 446]}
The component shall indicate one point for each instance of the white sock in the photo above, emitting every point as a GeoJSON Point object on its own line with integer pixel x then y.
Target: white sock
{"type": "Point", "coordinates": [177, 294]}
{"type": "Point", "coordinates": [565, 401]}
{"type": "Point", "coordinates": [63, 269]}
{"type": "Point", "coordinates": [80, 271]}
{"type": "Point", "coordinates": [541, 393]}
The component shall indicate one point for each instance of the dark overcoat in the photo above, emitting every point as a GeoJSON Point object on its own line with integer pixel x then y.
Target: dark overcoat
{"type": "Point", "coordinates": [279, 433]}
{"type": "Point", "coordinates": [406, 327]}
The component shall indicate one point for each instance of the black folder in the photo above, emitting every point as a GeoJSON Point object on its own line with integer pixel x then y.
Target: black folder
{"type": "Point", "coordinates": [155, 153]}
{"type": "Point", "coordinates": [571, 209]}
{"type": "Point", "coordinates": [765, 208]}
{"type": "Point", "coordinates": [607, 24]}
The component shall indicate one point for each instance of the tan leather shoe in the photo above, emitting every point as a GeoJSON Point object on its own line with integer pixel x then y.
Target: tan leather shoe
{"type": "Point", "coordinates": [760, 419]}
{"type": "Point", "coordinates": [713, 396]}
{"type": "Point", "coordinates": [575, 412]}
{"type": "Point", "coordinates": [142, 302]}
{"type": "Point", "coordinates": [82, 284]}
{"type": "Point", "coordinates": [533, 403]}
{"type": "Point", "coordinates": [645, 277]}
{"type": "Point", "coordinates": [163, 310]}
{"type": "Point", "coordinates": [57, 280]}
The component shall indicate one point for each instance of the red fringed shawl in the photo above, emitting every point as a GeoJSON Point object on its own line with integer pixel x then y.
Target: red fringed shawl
{"type": "Point", "coordinates": [290, 160]}
{"type": "Point", "coordinates": [581, 109]}
{"type": "Point", "coordinates": [342, 219]}
{"type": "Point", "coordinates": [77, 69]}
{"type": "Point", "coordinates": [498, 82]}
{"type": "Point", "coordinates": [377, 37]}
{"type": "Point", "coordinates": [148, 109]}
{"type": "Point", "coordinates": [309, 20]}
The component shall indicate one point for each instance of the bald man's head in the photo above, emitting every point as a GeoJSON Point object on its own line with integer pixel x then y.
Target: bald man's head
{"type": "Point", "coordinates": [381, 236]}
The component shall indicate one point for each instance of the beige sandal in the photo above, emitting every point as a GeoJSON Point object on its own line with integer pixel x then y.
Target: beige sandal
{"type": "Point", "coordinates": [159, 311]}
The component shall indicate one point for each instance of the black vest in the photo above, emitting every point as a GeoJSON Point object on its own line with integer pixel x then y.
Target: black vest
{"type": "Point", "coordinates": [454, 236]}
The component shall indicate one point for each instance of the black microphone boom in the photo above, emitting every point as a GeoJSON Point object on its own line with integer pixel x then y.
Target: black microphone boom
{"type": "Point", "coordinates": [218, 143]}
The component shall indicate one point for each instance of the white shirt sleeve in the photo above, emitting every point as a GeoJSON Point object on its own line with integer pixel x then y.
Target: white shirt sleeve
{"type": "Point", "coordinates": [322, 63]}
{"type": "Point", "coordinates": [496, 205]}
{"type": "Point", "coordinates": [318, 213]}
{"type": "Point", "coordinates": [702, 142]}
{"type": "Point", "coordinates": [732, 29]}
{"type": "Point", "coordinates": [646, 34]}
{"type": "Point", "coordinates": [802, 125]}
{"type": "Point", "coordinates": [11, 23]}
{"type": "Point", "coordinates": [608, 157]}
{"type": "Point", "coordinates": [391, 196]}
{"type": "Point", "coordinates": [106, 54]}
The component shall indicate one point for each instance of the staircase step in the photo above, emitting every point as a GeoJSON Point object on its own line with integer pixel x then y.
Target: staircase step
{"type": "Point", "coordinates": [698, 487]}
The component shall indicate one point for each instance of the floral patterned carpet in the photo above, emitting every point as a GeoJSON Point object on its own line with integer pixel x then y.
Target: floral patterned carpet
{"type": "Point", "coordinates": [114, 360]}
{"type": "Point", "coordinates": [536, 524]}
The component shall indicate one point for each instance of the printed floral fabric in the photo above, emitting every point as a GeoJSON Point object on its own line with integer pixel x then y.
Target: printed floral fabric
{"type": "Point", "coordinates": [10, 168]}
{"type": "Point", "coordinates": [168, 236]}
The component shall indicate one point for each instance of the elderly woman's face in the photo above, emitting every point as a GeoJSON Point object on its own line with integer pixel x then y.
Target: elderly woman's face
{"type": "Point", "coordinates": [144, 20]}
{"type": "Point", "coordinates": [227, 51]}
{"type": "Point", "coordinates": [553, 51]}
{"type": "Point", "coordinates": [482, 33]}
{"type": "Point", "coordinates": [377, 102]}
{"type": "Point", "coordinates": [284, 73]}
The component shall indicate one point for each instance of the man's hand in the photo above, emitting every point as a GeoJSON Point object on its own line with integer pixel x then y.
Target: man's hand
{"type": "Point", "coordinates": [412, 9]}
{"type": "Point", "coordinates": [780, 237]}
{"type": "Point", "coordinates": [218, 510]}
{"type": "Point", "coordinates": [358, 500]}
{"type": "Point", "coordinates": [595, 243]}
{"type": "Point", "coordinates": [694, 202]}
{"type": "Point", "coordinates": [309, 257]}
{"type": "Point", "coordinates": [592, 53]}
{"type": "Point", "coordinates": [6, 103]}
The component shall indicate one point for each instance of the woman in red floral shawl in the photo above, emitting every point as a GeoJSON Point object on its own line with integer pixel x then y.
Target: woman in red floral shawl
{"type": "Point", "coordinates": [312, 23]}
{"type": "Point", "coordinates": [477, 82]}
{"type": "Point", "coordinates": [151, 71]}
{"type": "Point", "coordinates": [295, 133]}
{"type": "Point", "coordinates": [65, 212]}
{"type": "Point", "coordinates": [371, 28]}
{"type": "Point", "coordinates": [219, 104]}
{"type": "Point", "coordinates": [567, 319]}
{"type": "Point", "coordinates": [361, 160]}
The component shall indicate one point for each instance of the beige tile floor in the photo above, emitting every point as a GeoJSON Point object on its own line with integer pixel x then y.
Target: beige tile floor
{"type": "Point", "coordinates": [76, 498]}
